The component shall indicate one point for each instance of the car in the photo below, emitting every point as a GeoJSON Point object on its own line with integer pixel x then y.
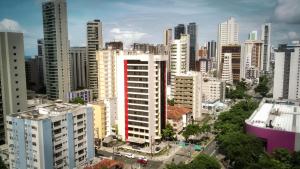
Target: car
{"type": "Point", "coordinates": [142, 160]}
{"type": "Point", "coordinates": [118, 154]}
{"type": "Point", "coordinates": [129, 155]}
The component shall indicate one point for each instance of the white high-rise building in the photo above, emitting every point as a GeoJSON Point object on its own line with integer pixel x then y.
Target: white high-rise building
{"type": "Point", "coordinates": [266, 48]}
{"type": "Point", "coordinates": [287, 70]}
{"type": "Point", "coordinates": [13, 94]}
{"type": "Point", "coordinates": [57, 135]}
{"type": "Point", "coordinates": [253, 35]}
{"type": "Point", "coordinates": [78, 67]}
{"type": "Point", "coordinates": [228, 34]}
{"type": "Point", "coordinates": [212, 89]}
{"type": "Point", "coordinates": [106, 60]}
{"type": "Point", "coordinates": [227, 69]}
{"type": "Point", "coordinates": [250, 59]}
{"type": "Point", "coordinates": [141, 94]}
{"type": "Point", "coordinates": [188, 92]}
{"type": "Point", "coordinates": [179, 58]}
{"type": "Point", "coordinates": [56, 46]}
{"type": "Point", "coordinates": [94, 43]}
{"type": "Point", "coordinates": [168, 37]}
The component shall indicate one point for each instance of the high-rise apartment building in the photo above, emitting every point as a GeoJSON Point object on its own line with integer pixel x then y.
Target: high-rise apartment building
{"type": "Point", "coordinates": [13, 95]}
{"type": "Point", "coordinates": [168, 37]}
{"type": "Point", "coordinates": [230, 63]}
{"type": "Point", "coordinates": [252, 35]}
{"type": "Point", "coordinates": [211, 49]}
{"type": "Point", "coordinates": [78, 61]}
{"type": "Point", "coordinates": [94, 43]}
{"type": "Point", "coordinates": [179, 58]}
{"type": "Point", "coordinates": [34, 74]}
{"type": "Point", "coordinates": [212, 89]}
{"type": "Point", "coordinates": [41, 54]}
{"type": "Point", "coordinates": [266, 48]}
{"type": "Point", "coordinates": [141, 89]}
{"type": "Point", "coordinates": [115, 45]}
{"type": "Point", "coordinates": [106, 60]}
{"type": "Point", "coordinates": [179, 30]}
{"type": "Point", "coordinates": [192, 31]}
{"type": "Point", "coordinates": [57, 135]}
{"type": "Point", "coordinates": [56, 46]}
{"type": "Point", "coordinates": [228, 34]}
{"type": "Point", "coordinates": [250, 59]}
{"type": "Point", "coordinates": [287, 70]}
{"type": "Point", "coordinates": [188, 92]}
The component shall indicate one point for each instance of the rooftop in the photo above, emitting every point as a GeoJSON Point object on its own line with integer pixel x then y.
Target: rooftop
{"type": "Point", "coordinates": [176, 112]}
{"type": "Point", "coordinates": [45, 111]}
{"type": "Point", "coordinates": [277, 115]}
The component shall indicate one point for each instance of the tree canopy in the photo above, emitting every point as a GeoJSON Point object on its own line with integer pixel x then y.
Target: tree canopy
{"type": "Point", "coordinates": [77, 100]}
{"type": "Point", "coordinates": [202, 161]}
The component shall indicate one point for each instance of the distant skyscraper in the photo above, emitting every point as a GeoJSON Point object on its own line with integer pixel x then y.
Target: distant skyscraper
{"type": "Point", "coordinates": [114, 45]}
{"type": "Point", "coordinates": [41, 54]}
{"type": "Point", "coordinates": [179, 58]}
{"type": "Point", "coordinates": [34, 74]}
{"type": "Point", "coordinates": [178, 30]}
{"type": "Point", "coordinates": [286, 73]}
{"type": "Point", "coordinates": [192, 31]}
{"type": "Point", "coordinates": [56, 46]}
{"type": "Point", "coordinates": [94, 43]}
{"type": "Point", "coordinates": [51, 136]}
{"type": "Point", "coordinates": [230, 63]}
{"type": "Point", "coordinates": [211, 49]}
{"type": "Point", "coordinates": [141, 91]}
{"type": "Point", "coordinates": [78, 61]}
{"type": "Point", "coordinates": [252, 35]}
{"type": "Point", "coordinates": [266, 49]}
{"type": "Point", "coordinates": [13, 94]}
{"type": "Point", "coordinates": [168, 37]}
{"type": "Point", "coordinates": [228, 34]}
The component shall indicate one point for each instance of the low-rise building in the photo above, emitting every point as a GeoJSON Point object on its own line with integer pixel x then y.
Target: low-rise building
{"type": "Point", "coordinates": [179, 117]}
{"type": "Point", "coordinates": [277, 124]}
{"type": "Point", "coordinates": [85, 94]}
{"type": "Point", "coordinates": [57, 135]}
{"type": "Point", "coordinates": [213, 89]}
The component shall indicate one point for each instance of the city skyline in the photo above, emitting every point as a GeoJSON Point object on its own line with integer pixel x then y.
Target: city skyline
{"type": "Point", "coordinates": [132, 21]}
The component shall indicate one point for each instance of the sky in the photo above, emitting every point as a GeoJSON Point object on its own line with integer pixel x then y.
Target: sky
{"type": "Point", "coordinates": [145, 20]}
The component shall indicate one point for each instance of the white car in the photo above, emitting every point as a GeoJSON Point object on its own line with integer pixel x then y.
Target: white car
{"type": "Point", "coordinates": [129, 155]}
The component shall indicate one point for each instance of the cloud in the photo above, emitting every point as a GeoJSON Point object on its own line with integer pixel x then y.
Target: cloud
{"type": "Point", "coordinates": [8, 25]}
{"type": "Point", "coordinates": [126, 36]}
{"type": "Point", "coordinates": [287, 11]}
{"type": "Point", "coordinates": [293, 35]}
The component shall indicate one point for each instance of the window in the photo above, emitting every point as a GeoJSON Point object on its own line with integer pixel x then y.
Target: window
{"type": "Point", "coordinates": [15, 60]}
{"type": "Point", "coordinates": [17, 89]}
{"type": "Point", "coordinates": [18, 110]}
{"type": "Point", "coordinates": [18, 103]}
{"type": "Point", "coordinates": [14, 47]}
{"type": "Point", "coordinates": [16, 74]}
{"type": "Point", "coordinates": [16, 67]}
{"type": "Point", "coordinates": [15, 54]}
{"type": "Point", "coordinates": [18, 96]}
{"type": "Point", "coordinates": [17, 82]}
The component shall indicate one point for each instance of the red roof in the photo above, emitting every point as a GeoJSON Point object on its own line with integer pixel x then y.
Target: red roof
{"type": "Point", "coordinates": [106, 163]}
{"type": "Point", "coordinates": [176, 112]}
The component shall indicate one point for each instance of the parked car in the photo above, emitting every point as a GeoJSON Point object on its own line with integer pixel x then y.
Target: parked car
{"type": "Point", "coordinates": [129, 155]}
{"type": "Point", "coordinates": [118, 154]}
{"type": "Point", "coordinates": [142, 160]}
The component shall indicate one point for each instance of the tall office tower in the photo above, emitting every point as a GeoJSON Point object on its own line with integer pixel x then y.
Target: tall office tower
{"type": "Point", "coordinates": [56, 46]}
{"type": "Point", "coordinates": [250, 59]}
{"type": "Point", "coordinates": [252, 35]}
{"type": "Point", "coordinates": [203, 65]}
{"type": "Point", "coordinates": [78, 61]}
{"type": "Point", "coordinates": [202, 53]}
{"type": "Point", "coordinates": [57, 135]}
{"type": "Point", "coordinates": [13, 95]}
{"type": "Point", "coordinates": [230, 63]}
{"type": "Point", "coordinates": [266, 48]}
{"type": "Point", "coordinates": [212, 53]}
{"type": "Point", "coordinates": [178, 30]}
{"type": "Point", "coordinates": [34, 74]}
{"type": "Point", "coordinates": [114, 45]}
{"type": "Point", "coordinates": [287, 70]}
{"type": "Point", "coordinates": [94, 43]}
{"type": "Point", "coordinates": [188, 92]}
{"type": "Point", "coordinates": [179, 58]}
{"type": "Point", "coordinates": [41, 54]}
{"type": "Point", "coordinates": [148, 48]}
{"type": "Point", "coordinates": [228, 34]}
{"type": "Point", "coordinates": [192, 31]}
{"type": "Point", "coordinates": [106, 60]}
{"type": "Point", "coordinates": [168, 37]}
{"type": "Point", "coordinates": [142, 81]}
{"type": "Point", "coordinates": [213, 89]}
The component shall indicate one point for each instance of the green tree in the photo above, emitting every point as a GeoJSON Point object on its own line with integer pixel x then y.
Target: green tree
{"type": "Point", "coordinates": [296, 160]}
{"type": "Point", "coordinates": [168, 133]}
{"type": "Point", "coordinates": [262, 88]}
{"type": "Point", "coordinates": [267, 162]}
{"type": "Point", "coordinates": [190, 130]}
{"type": "Point", "coordinates": [282, 155]}
{"type": "Point", "coordinates": [77, 100]}
{"type": "Point", "coordinates": [171, 102]}
{"type": "Point", "coordinates": [203, 161]}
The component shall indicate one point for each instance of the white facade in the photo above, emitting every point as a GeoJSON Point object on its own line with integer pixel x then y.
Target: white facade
{"type": "Point", "coordinates": [179, 58]}
{"type": "Point", "coordinates": [110, 115]}
{"type": "Point", "coordinates": [106, 60]}
{"type": "Point", "coordinates": [188, 92]}
{"type": "Point", "coordinates": [266, 48]}
{"type": "Point", "coordinates": [227, 69]}
{"type": "Point", "coordinates": [13, 95]}
{"type": "Point", "coordinates": [55, 135]}
{"type": "Point", "coordinates": [141, 94]}
{"type": "Point", "coordinates": [212, 89]}
{"type": "Point", "coordinates": [228, 34]}
{"type": "Point", "coordinates": [94, 43]}
{"type": "Point", "coordinates": [278, 75]}
{"type": "Point", "coordinates": [294, 83]}
{"type": "Point", "coordinates": [56, 46]}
